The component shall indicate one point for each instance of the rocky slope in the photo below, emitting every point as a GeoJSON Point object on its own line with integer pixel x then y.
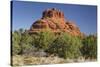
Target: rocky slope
{"type": "Point", "coordinates": [54, 20]}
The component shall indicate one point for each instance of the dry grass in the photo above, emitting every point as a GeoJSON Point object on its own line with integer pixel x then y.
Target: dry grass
{"type": "Point", "coordinates": [17, 60]}
{"type": "Point", "coordinates": [31, 60]}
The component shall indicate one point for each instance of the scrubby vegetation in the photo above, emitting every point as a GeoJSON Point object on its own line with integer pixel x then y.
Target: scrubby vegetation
{"type": "Point", "coordinates": [89, 48]}
{"type": "Point", "coordinates": [47, 45]}
{"type": "Point", "coordinates": [66, 46]}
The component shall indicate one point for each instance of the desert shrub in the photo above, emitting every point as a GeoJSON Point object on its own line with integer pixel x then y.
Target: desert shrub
{"type": "Point", "coordinates": [16, 37]}
{"type": "Point", "coordinates": [63, 44]}
{"type": "Point", "coordinates": [25, 42]}
{"type": "Point", "coordinates": [43, 39]}
{"type": "Point", "coordinates": [21, 41]}
{"type": "Point", "coordinates": [89, 49]}
{"type": "Point", "coordinates": [66, 46]}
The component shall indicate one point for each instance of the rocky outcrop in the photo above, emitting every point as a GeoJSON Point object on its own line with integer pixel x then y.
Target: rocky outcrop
{"type": "Point", "coordinates": [54, 19]}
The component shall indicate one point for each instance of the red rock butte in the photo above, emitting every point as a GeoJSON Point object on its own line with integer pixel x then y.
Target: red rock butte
{"type": "Point", "coordinates": [54, 20]}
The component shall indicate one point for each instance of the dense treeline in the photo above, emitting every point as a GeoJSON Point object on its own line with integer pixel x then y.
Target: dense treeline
{"type": "Point", "coordinates": [63, 45]}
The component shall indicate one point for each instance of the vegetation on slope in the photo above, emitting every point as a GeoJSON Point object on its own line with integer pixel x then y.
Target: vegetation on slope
{"type": "Point", "coordinates": [46, 43]}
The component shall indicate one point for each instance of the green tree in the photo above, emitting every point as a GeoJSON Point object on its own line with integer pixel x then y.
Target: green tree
{"type": "Point", "coordinates": [21, 41]}
{"type": "Point", "coordinates": [66, 46]}
{"type": "Point", "coordinates": [89, 49]}
{"type": "Point", "coordinates": [44, 39]}
{"type": "Point", "coordinates": [25, 42]}
{"type": "Point", "coordinates": [16, 37]}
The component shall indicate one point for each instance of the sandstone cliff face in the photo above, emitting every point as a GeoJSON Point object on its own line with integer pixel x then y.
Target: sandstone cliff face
{"type": "Point", "coordinates": [54, 20]}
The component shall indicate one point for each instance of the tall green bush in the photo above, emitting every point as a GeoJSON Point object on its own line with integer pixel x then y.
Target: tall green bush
{"type": "Point", "coordinates": [43, 39]}
{"type": "Point", "coordinates": [21, 41]}
{"type": "Point", "coordinates": [25, 42]}
{"type": "Point", "coordinates": [16, 37]}
{"type": "Point", "coordinates": [89, 49]}
{"type": "Point", "coordinates": [66, 46]}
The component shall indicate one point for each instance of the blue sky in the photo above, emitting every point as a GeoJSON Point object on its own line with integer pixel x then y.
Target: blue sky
{"type": "Point", "coordinates": [25, 13]}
